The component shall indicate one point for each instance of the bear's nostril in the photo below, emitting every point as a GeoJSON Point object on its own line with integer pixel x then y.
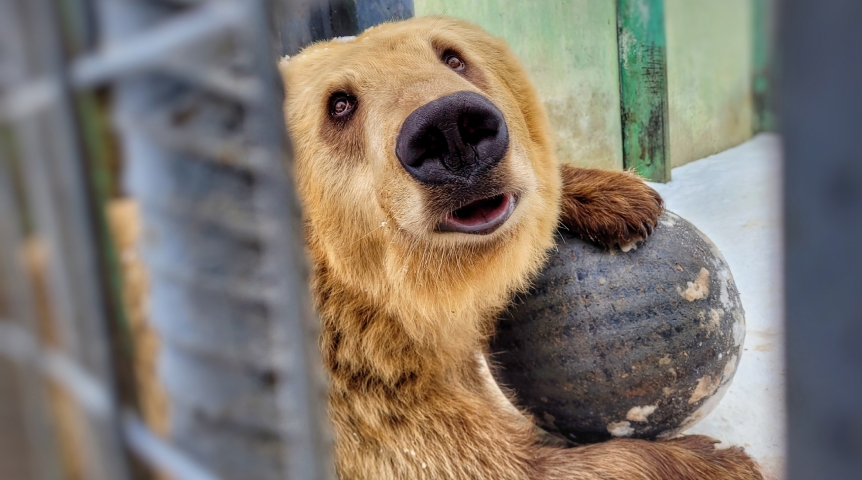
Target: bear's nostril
{"type": "Point", "coordinates": [430, 145]}
{"type": "Point", "coordinates": [474, 128]}
{"type": "Point", "coordinates": [452, 139]}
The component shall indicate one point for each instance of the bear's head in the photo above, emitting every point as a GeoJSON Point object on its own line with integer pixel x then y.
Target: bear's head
{"type": "Point", "coordinates": [424, 166]}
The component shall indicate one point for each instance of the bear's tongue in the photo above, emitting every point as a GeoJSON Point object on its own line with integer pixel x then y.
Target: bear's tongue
{"type": "Point", "coordinates": [480, 217]}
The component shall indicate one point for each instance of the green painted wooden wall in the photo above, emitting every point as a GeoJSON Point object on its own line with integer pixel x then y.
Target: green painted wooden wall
{"type": "Point", "coordinates": [570, 49]}
{"type": "Point", "coordinates": [710, 69]}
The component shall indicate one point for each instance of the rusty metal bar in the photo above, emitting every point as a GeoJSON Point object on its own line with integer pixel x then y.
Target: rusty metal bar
{"type": "Point", "coordinates": [56, 187]}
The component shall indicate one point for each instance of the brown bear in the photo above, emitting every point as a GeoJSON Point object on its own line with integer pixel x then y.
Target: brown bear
{"type": "Point", "coordinates": [431, 194]}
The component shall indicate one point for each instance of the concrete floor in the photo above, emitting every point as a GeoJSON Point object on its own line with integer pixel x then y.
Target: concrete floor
{"type": "Point", "coordinates": [734, 198]}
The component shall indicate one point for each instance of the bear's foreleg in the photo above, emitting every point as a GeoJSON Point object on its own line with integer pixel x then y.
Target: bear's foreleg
{"type": "Point", "coordinates": [609, 208]}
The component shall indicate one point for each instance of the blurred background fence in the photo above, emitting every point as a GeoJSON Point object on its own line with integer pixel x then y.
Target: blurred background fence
{"type": "Point", "coordinates": [176, 103]}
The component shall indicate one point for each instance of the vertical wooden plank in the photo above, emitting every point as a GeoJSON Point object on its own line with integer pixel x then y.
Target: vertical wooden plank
{"type": "Point", "coordinates": [643, 88]}
{"type": "Point", "coordinates": [763, 31]}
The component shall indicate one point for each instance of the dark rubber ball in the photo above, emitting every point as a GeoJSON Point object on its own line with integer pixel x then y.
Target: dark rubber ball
{"type": "Point", "coordinates": [639, 344]}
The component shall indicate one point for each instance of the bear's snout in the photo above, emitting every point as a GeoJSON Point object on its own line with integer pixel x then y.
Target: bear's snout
{"type": "Point", "coordinates": [453, 139]}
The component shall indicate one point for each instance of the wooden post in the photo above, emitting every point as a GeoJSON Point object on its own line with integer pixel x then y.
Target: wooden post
{"type": "Point", "coordinates": [643, 88]}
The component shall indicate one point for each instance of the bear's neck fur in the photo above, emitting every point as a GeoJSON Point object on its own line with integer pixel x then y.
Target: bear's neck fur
{"type": "Point", "coordinates": [401, 404]}
{"type": "Point", "coordinates": [367, 343]}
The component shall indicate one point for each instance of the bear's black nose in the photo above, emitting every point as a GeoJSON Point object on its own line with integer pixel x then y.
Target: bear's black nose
{"type": "Point", "coordinates": [452, 139]}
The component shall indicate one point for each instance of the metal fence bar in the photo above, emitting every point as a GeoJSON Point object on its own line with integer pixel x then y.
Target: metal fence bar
{"type": "Point", "coordinates": [160, 454]}
{"type": "Point", "coordinates": [57, 191]}
{"type": "Point", "coordinates": [153, 46]}
{"type": "Point", "coordinates": [39, 106]}
{"type": "Point", "coordinates": [237, 205]}
{"type": "Point", "coordinates": [19, 345]}
{"type": "Point", "coordinates": [28, 99]}
{"type": "Point", "coordinates": [151, 49]}
{"type": "Point", "coordinates": [302, 401]}
{"type": "Point", "coordinates": [33, 401]}
{"type": "Point", "coordinates": [821, 75]}
{"type": "Point", "coordinates": [54, 172]}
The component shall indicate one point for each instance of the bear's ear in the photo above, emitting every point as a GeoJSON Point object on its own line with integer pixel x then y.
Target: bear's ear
{"type": "Point", "coordinates": [283, 67]}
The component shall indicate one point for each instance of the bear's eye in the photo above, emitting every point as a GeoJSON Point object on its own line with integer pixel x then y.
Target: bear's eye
{"type": "Point", "coordinates": [341, 104]}
{"type": "Point", "coordinates": [454, 62]}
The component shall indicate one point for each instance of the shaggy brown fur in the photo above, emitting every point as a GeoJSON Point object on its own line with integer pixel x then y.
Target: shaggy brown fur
{"type": "Point", "coordinates": [609, 208]}
{"type": "Point", "coordinates": [405, 309]}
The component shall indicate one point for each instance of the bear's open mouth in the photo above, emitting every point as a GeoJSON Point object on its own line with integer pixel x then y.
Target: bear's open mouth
{"type": "Point", "coordinates": [480, 217]}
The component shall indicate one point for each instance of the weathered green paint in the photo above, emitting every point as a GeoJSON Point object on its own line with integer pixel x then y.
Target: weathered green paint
{"type": "Point", "coordinates": [569, 48]}
{"type": "Point", "coordinates": [763, 31]}
{"type": "Point", "coordinates": [643, 88]}
{"type": "Point", "coordinates": [709, 64]}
